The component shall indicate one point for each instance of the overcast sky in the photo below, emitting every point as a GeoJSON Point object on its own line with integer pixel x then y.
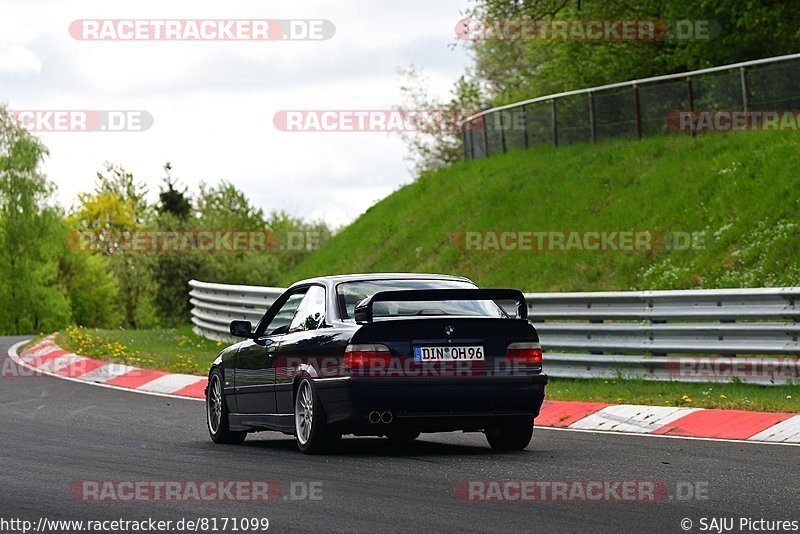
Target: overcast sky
{"type": "Point", "coordinates": [213, 102]}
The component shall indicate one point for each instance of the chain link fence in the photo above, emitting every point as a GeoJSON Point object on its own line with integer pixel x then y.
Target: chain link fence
{"type": "Point", "coordinates": [633, 109]}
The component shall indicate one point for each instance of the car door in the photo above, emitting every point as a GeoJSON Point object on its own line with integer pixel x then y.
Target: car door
{"type": "Point", "coordinates": [255, 371]}
{"type": "Point", "coordinates": [305, 341]}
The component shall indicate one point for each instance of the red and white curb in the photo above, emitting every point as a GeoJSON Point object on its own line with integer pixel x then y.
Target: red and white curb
{"type": "Point", "coordinates": [48, 358]}
{"type": "Point", "coordinates": [673, 422]}
{"type": "Point", "coordinates": [697, 423]}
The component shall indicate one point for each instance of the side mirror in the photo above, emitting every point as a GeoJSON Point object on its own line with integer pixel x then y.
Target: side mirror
{"type": "Point", "coordinates": [242, 329]}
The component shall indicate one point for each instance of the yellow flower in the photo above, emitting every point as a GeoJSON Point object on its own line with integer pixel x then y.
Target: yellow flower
{"type": "Point", "coordinates": [723, 396]}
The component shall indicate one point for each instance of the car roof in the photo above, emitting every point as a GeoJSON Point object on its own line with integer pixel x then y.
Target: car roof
{"type": "Point", "coordinates": [339, 278]}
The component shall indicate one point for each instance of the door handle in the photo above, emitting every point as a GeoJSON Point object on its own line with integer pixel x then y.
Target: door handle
{"type": "Point", "coordinates": [264, 341]}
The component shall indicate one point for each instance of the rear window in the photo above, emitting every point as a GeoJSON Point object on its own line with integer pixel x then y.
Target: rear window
{"type": "Point", "coordinates": [351, 293]}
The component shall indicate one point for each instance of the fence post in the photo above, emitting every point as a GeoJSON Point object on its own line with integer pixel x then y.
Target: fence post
{"type": "Point", "coordinates": [471, 141]}
{"type": "Point", "coordinates": [502, 132]}
{"type": "Point", "coordinates": [637, 115]}
{"type": "Point", "coordinates": [554, 120]}
{"type": "Point", "coordinates": [525, 125]}
{"type": "Point", "coordinates": [691, 100]}
{"type": "Point", "coordinates": [464, 142]}
{"type": "Point", "coordinates": [592, 128]}
{"type": "Point", "coordinates": [745, 99]}
{"type": "Point", "coordinates": [485, 135]}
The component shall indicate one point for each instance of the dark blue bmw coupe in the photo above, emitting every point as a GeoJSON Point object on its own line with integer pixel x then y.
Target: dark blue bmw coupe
{"type": "Point", "coordinates": [381, 355]}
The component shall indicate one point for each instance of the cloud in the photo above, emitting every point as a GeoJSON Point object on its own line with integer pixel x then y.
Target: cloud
{"type": "Point", "coordinates": [19, 60]}
{"type": "Point", "coordinates": [213, 103]}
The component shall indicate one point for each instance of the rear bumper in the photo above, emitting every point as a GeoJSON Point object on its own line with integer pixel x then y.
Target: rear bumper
{"type": "Point", "coordinates": [430, 405]}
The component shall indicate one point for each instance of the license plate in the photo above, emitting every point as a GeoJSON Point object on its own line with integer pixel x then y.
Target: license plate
{"type": "Point", "coordinates": [448, 354]}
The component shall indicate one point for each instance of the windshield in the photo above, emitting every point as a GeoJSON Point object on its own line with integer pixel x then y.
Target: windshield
{"type": "Point", "coordinates": [351, 293]}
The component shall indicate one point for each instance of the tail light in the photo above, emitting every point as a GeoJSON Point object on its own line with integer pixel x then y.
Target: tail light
{"type": "Point", "coordinates": [527, 353]}
{"type": "Point", "coordinates": [366, 356]}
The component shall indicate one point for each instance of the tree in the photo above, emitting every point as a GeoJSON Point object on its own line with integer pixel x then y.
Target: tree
{"type": "Point", "coordinates": [225, 207]}
{"type": "Point", "coordinates": [295, 238]}
{"type": "Point", "coordinates": [117, 207]}
{"type": "Point", "coordinates": [31, 236]}
{"type": "Point", "coordinates": [514, 70]}
{"type": "Point", "coordinates": [103, 219]}
{"type": "Point", "coordinates": [115, 180]}
{"type": "Point", "coordinates": [438, 143]}
{"type": "Point", "coordinates": [172, 200]}
{"type": "Point", "coordinates": [92, 289]}
{"type": "Point", "coordinates": [173, 270]}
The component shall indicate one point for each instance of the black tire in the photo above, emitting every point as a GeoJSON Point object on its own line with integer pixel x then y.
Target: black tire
{"type": "Point", "coordinates": [218, 427]}
{"type": "Point", "coordinates": [510, 436]}
{"type": "Point", "coordinates": [402, 436]}
{"type": "Point", "coordinates": [316, 437]}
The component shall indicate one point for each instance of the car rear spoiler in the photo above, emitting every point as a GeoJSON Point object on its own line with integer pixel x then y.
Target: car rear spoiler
{"type": "Point", "coordinates": [363, 311]}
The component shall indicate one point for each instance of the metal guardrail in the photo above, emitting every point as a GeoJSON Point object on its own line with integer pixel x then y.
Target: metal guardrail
{"type": "Point", "coordinates": [657, 335]}
{"type": "Point", "coordinates": [214, 306]}
{"type": "Point", "coordinates": [668, 335]}
{"type": "Point", "coordinates": [635, 108]}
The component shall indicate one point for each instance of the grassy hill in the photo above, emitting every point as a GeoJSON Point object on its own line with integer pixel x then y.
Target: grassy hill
{"type": "Point", "coordinates": [741, 191]}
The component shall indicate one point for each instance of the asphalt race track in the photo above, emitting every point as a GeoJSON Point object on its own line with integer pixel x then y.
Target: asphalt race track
{"type": "Point", "coordinates": [56, 432]}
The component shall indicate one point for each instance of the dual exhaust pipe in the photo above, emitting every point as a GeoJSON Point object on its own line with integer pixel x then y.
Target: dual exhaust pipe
{"type": "Point", "coordinates": [380, 417]}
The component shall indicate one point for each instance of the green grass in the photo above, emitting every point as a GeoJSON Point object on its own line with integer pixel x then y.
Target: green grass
{"type": "Point", "coordinates": [742, 190]}
{"type": "Point", "coordinates": [176, 350]}
{"type": "Point", "coordinates": [732, 396]}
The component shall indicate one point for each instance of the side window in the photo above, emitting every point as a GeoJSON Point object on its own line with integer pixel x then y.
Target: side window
{"type": "Point", "coordinates": [311, 311]}
{"type": "Point", "coordinates": [280, 323]}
